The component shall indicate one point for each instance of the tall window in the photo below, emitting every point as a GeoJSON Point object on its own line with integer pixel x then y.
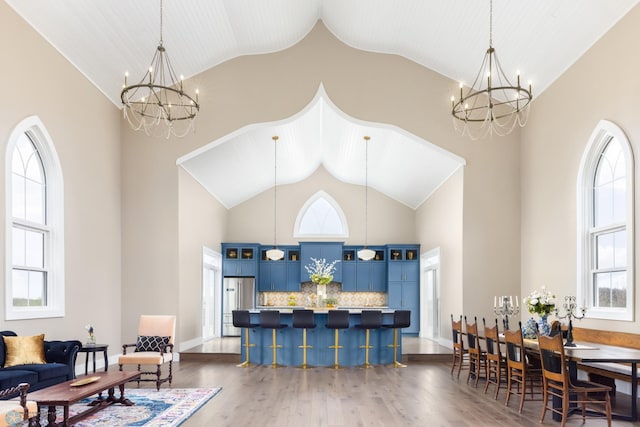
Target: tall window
{"type": "Point", "coordinates": [34, 259]}
{"type": "Point", "coordinates": [606, 225]}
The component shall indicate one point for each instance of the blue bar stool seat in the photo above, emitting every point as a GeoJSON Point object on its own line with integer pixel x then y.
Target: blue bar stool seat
{"type": "Point", "coordinates": [401, 319]}
{"type": "Point", "coordinates": [304, 319]}
{"type": "Point", "coordinates": [369, 319]}
{"type": "Point", "coordinates": [336, 320]}
{"type": "Point", "coordinates": [270, 319]}
{"type": "Point", "coordinates": [242, 319]}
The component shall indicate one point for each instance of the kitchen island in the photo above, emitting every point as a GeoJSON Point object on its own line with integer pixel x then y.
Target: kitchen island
{"type": "Point", "coordinates": [321, 338]}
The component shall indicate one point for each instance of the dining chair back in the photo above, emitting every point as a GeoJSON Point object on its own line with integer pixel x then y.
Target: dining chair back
{"type": "Point", "coordinates": [523, 370]}
{"type": "Point", "coordinates": [477, 357]}
{"type": "Point", "coordinates": [559, 385]}
{"type": "Point", "coordinates": [460, 354]}
{"type": "Point", "coordinates": [496, 362]}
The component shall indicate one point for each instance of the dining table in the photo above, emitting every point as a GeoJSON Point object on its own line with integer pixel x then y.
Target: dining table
{"type": "Point", "coordinates": [585, 352]}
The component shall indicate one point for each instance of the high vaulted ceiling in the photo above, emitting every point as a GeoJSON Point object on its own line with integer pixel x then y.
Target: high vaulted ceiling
{"type": "Point", "coordinates": [103, 39]}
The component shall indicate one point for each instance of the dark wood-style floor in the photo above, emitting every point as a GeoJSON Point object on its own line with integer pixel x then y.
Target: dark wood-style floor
{"type": "Point", "coordinates": [423, 394]}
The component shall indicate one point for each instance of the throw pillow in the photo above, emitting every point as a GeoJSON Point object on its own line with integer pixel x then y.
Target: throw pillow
{"type": "Point", "coordinates": [24, 350]}
{"type": "Point", "coordinates": [151, 343]}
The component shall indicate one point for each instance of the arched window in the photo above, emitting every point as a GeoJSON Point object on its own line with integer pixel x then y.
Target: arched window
{"type": "Point", "coordinates": [605, 225]}
{"type": "Point", "coordinates": [34, 251]}
{"type": "Point", "coordinates": [321, 216]}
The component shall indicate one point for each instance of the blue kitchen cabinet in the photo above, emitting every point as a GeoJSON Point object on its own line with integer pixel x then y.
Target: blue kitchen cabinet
{"type": "Point", "coordinates": [240, 259]}
{"type": "Point", "coordinates": [330, 251]}
{"type": "Point", "coordinates": [274, 275]}
{"type": "Point", "coordinates": [403, 269]}
{"type": "Point", "coordinates": [292, 255]}
{"type": "Point", "coordinates": [371, 276]}
{"type": "Point", "coordinates": [349, 269]}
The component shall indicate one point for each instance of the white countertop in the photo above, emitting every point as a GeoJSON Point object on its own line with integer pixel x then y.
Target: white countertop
{"type": "Point", "coordinates": [289, 309]}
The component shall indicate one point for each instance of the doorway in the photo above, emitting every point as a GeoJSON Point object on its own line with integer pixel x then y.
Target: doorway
{"type": "Point", "coordinates": [430, 295]}
{"type": "Point", "coordinates": [211, 293]}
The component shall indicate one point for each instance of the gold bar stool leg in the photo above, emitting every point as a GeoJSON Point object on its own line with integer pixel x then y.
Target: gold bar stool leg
{"type": "Point", "coordinates": [401, 319]}
{"type": "Point", "coordinates": [246, 345]}
{"type": "Point", "coordinates": [336, 320]}
{"type": "Point", "coordinates": [369, 319]}
{"type": "Point", "coordinates": [274, 346]}
{"type": "Point", "coordinates": [270, 319]}
{"type": "Point", "coordinates": [336, 345]}
{"type": "Point", "coordinates": [303, 319]}
{"type": "Point", "coordinates": [366, 347]}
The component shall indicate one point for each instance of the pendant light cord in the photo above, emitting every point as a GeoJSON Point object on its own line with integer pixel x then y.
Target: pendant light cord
{"type": "Point", "coordinates": [275, 187]}
{"type": "Point", "coordinates": [366, 191]}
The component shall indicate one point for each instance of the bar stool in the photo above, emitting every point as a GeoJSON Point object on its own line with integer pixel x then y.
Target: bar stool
{"type": "Point", "coordinates": [242, 319]}
{"type": "Point", "coordinates": [337, 319]}
{"type": "Point", "coordinates": [401, 319]}
{"type": "Point", "coordinates": [270, 319]}
{"type": "Point", "coordinates": [369, 319]}
{"type": "Point", "coordinates": [304, 319]}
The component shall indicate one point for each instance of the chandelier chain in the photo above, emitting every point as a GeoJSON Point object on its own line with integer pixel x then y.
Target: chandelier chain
{"type": "Point", "coordinates": [275, 187]}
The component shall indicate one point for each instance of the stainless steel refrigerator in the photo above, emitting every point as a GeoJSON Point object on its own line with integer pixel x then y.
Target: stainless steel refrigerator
{"type": "Point", "coordinates": [238, 294]}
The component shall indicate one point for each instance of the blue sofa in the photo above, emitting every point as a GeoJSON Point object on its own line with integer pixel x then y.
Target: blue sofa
{"type": "Point", "coordinates": [60, 366]}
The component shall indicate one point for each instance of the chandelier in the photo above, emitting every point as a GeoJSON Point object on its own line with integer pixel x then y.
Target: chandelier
{"type": "Point", "coordinates": [158, 104]}
{"type": "Point", "coordinates": [366, 254]}
{"type": "Point", "coordinates": [275, 253]}
{"type": "Point", "coordinates": [492, 105]}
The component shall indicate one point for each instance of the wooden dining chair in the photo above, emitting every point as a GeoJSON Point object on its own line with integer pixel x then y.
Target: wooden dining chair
{"type": "Point", "coordinates": [557, 383]}
{"type": "Point", "coordinates": [477, 357]}
{"type": "Point", "coordinates": [522, 373]}
{"type": "Point", "coordinates": [496, 362]}
{"type": "Point", "coordinates": [460, 354]}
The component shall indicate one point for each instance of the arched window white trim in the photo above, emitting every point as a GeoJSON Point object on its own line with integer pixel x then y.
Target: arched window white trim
{"type": "Point", "coordinates": [321, 216]}
{"type": "Point", "coordinates": [589, 235]}
{"type": "Point", "coordinates": [52, 228]}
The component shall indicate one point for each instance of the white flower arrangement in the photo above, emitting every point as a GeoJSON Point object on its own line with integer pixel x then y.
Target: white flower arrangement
{"type": "Point", "coordinates": [541, 302]}
{"type": "Point", "coordinates": [320, 271]}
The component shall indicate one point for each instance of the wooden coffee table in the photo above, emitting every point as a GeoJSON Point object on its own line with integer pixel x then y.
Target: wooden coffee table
{"type": "Point", "coordinates": [70, 392]}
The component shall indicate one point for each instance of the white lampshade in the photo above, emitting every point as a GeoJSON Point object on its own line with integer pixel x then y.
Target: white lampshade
{"type": "Point", "coordinates": [366, 254]}
{"type": "Point", "coordinates": [275, 254]}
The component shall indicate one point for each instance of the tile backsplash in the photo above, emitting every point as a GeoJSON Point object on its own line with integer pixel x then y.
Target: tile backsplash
{"type": "Point", "coordinates": [349, 299]}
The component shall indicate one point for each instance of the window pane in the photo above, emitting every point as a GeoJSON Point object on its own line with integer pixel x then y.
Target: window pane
{"type": "Point", "coordinates": [28, 186]}
{"type": "Point", "coordinates": [18, 196]}
{"type": "Point", "coordinates": [609, 190]}
{"type": "Point", "coordinates": [321, 218]}
{"type": "Point", "coordinates": [620, 249]}
{"type": "Point", "coordinates": [29, 288]}
{"type": "Point", "coordinates": [604, 251]}
{"type": "Point", "coordinates": [34, 202]}
{"type": "Point", "coordinates": [34, 249]}
{"type": "Point", "coordinates": [18, 242]}
{"type": "Point", "coordinates": [610, 290]}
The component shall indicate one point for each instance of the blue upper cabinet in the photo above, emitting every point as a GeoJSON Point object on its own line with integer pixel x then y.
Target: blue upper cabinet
{"type": "Point", "coordinates": [240, 259]}
{"type": "Point", "coordinates": [364, 276]}
{"type": "Point", "coordinates": [282, 275]}
{"type": "Point", "coordinates": [330, 251]}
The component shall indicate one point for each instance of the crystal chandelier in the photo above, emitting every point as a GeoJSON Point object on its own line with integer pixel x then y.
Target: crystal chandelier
{"type": "Point", "coordinates": [275, 253]}
{"type": "Point", "coordinates": [366, 254]}
{"type": "Point", "coordinates": [158, 104]}
{"type": "Point", "coordinates": [492, 105]}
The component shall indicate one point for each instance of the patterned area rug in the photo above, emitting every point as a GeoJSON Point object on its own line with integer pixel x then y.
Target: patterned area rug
{"type": "Point", "coordinates": [165, 408]}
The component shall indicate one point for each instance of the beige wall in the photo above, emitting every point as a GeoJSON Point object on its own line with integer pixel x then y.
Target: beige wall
{"type": "Point", "coordinates": [601, 85]}
{"type": "Point", "coordinates": [202, 222]}
{"type": "Point", "coordinates": [368, 86]}
{"type": "Point", "coordinates": [439, 225]}
{"type": "Point", "coordinates": [389, 220]}
{"type": "Point", "coordinates": [84, 127]}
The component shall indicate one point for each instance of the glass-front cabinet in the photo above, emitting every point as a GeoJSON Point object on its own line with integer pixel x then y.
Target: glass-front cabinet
{"type": "Point", "coordinates": [364, 276]}
{"type": "Point", "coordinates": [281, 275]}
{"type": "Point", "coordinates": [240, 259]}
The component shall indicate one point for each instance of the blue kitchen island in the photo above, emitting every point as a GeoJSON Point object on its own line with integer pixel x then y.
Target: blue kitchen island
{"type": "Point", "coordinates": [321, 338]}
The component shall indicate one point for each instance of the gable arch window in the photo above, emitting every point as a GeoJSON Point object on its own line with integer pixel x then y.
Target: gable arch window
{"type": "Point", "coordinates": [321, 216]}
{"type": "Point", "coordinates": [605, 225]}
{"type": "Point", "coordinates": [34, 225]}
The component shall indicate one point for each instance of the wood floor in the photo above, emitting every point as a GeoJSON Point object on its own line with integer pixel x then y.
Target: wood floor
{"type": "Point", "coordinates": [423, 394]}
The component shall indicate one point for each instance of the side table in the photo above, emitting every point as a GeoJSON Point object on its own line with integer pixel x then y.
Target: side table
{"type": "Point", "coordinates": [93, 349]}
